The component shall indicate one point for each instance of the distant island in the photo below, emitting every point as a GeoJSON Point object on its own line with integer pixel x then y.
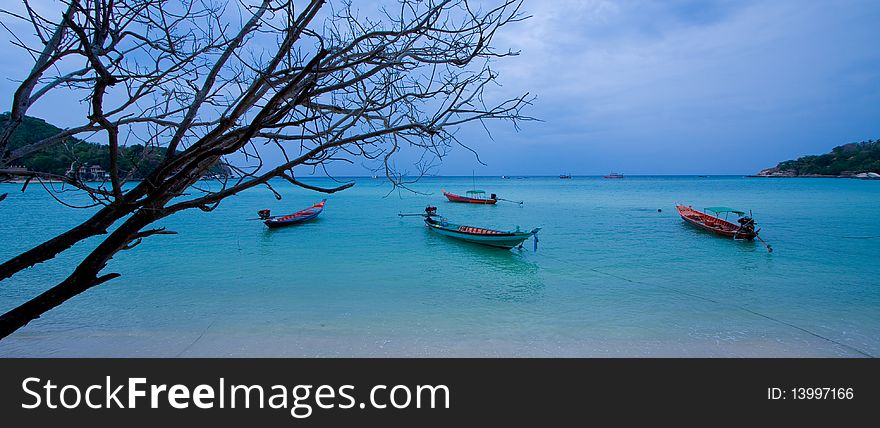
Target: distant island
{"type": "Point", "coordinates": [853, 160]}
{"type": "Point", "coordinates": [75, 157]}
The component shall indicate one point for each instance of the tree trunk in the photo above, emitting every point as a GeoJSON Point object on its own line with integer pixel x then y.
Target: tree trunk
{"type": "Point", "coordinates": [32, 309]}
{"type": "Point", "coordinates": [83, 278]}
{"type": "Point", "coordinates": [96, 225]}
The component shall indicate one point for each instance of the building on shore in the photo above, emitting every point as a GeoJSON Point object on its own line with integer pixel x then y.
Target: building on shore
{"type": "Point", "coordinates": [88, 172]}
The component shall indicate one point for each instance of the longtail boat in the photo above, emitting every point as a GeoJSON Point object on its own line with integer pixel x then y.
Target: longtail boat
{"type": "Point", "coordinates": [290, 219]}
{"type": "Point", "coordinates": [744, 228]}
{"type": "Point", "coordinates": [477, 235]}
{"type": "Point", "coordinates": [473, 197]}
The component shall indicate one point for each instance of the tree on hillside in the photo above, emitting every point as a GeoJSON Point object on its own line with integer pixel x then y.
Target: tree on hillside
{"type": "Point", "coordinates": [846, 159]}
{"type": "Point", "coordinates": [313, 81]}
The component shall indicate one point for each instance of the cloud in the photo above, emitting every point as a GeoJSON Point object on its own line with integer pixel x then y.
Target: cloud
{"type": "Point", "coordinates": [670, 86]}
{"type": "Point", "coordinates": [686, 82]}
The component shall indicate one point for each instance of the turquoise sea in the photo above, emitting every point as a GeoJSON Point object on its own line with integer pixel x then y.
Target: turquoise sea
{"type": "Point", "coordinates": [612, 276]}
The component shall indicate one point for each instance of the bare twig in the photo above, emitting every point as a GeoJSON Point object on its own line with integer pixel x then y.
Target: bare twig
{"type": "Point", "coordinates": [318, 85]}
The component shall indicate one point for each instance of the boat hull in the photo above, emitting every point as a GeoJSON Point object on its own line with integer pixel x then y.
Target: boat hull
{"type": "Point", "coordinates": [299, 217]}
{"type": "Point", "coordinates": [713, 224]}
{"type": "Point", "coordinates": [492, 238]}
{"type": "Point", "coordinates": [464, 199]}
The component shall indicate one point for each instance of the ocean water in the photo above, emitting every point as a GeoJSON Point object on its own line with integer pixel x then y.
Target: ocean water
{"type": "Point", "coordinates": [612, 276]}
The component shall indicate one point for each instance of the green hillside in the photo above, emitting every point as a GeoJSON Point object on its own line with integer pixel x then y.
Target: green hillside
{"type": "Point", "coordinates": [847, 159]}
{"type": "Point", "coordinates": [58, 158]}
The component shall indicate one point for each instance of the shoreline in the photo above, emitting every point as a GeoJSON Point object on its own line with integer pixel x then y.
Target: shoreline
{"type": "Point", "coordinates": [814, 176]}
{"type": "Point", "coordinates": [218, 342]}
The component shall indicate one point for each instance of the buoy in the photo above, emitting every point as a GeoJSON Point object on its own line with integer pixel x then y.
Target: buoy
{"type": "Point", "coordinates": [659, 210]}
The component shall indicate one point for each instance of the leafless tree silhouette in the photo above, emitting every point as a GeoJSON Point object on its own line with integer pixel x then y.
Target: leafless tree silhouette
{"type": "Point", "coordinates": [210, 81]}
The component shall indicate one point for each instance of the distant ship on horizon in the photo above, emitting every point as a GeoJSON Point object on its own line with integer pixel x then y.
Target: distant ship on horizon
{"type": "Point", "coordinates": [614, 175]}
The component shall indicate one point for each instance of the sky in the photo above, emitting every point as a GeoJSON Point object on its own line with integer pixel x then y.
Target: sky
{"type": "Point", "coordinates": [664, 87]}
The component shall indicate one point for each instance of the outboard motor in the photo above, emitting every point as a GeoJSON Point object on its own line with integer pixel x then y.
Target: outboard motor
{"type": "Point", "coordinates": [430, 211]}
{"type": "Point", "coordinates": [746, 223]}
{"type": "Point", "coordinates": [264, 214]}
{"type": "Point", "coordinates": [493, 196]}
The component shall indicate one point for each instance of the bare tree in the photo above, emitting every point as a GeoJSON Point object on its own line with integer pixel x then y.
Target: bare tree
{"type": "Point", "coordinates": [226, 83]}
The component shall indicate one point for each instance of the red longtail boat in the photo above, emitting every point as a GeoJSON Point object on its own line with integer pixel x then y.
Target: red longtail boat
{"type": "Point", "coordinates": [473, 197]}
{"type": "Point", "coordinates": [744, 228]}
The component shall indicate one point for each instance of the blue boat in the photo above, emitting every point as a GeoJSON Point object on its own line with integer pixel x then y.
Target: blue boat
{"type": "Point", "coordinates": [298, 217]}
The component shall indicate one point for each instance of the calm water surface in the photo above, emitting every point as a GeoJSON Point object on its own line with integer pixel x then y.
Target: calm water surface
{"type": "Point", "coordinates": [612, 276]}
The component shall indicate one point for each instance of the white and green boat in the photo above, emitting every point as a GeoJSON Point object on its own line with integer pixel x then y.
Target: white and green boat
{"type": "Point", "coordinates": [477, 235]}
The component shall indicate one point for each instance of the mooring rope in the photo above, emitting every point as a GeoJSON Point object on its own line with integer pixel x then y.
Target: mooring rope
{"type": "Point", "coordinates": [179, 354]}
{"type": "Point", "coordinates": [508, 200]}
{"type": "Point", "coordinates": [718, 302]}
{"type": "Point", "coordinates": [743, 308]}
